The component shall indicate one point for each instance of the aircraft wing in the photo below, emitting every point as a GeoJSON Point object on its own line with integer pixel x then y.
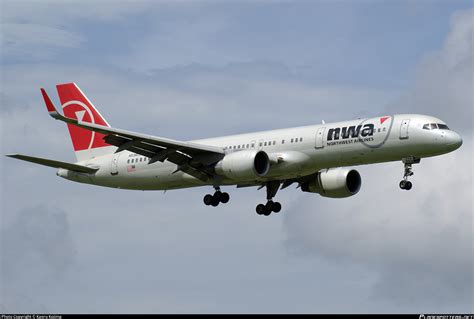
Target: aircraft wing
{"type": "Point", "coordinates": [191, 158]}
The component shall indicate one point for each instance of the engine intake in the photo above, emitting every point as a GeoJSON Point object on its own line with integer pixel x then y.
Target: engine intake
{"type": "Point", "coordinates": [241, 165]}
{"type": "Point", "coordinates": [335, 183]}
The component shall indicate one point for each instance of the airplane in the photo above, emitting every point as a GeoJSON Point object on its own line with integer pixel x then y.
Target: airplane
{"type": "Point", "coordinates": [317, 158]}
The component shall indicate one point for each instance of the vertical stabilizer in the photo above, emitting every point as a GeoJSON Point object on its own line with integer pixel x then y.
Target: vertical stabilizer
{"type": "Point", "coordinates": [87, 144]}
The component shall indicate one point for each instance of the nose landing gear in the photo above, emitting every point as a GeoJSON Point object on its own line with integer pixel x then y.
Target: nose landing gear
{"type": "Point", "coordinates": [218, 197]}
{"type": "Point", "coordinates": [405, 183]}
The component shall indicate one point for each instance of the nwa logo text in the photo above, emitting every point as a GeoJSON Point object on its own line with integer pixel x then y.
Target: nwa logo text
{"type": "Point", "coordinates": [350, 132]}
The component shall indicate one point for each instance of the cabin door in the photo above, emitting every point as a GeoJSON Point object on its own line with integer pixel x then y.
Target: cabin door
{"type": "Point", "coordinates": [114, 168]}
{"type": "Point", "coordinates": [320, 137]}
{"type": "Point", "coordinates": [404, 129]}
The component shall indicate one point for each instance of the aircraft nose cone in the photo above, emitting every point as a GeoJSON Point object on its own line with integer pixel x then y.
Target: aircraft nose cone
{"type": "Point", "coordinates": [454, 140]}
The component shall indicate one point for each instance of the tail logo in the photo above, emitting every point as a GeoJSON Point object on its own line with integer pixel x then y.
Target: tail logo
{"type": "Point", "coordinates": [84, 139]}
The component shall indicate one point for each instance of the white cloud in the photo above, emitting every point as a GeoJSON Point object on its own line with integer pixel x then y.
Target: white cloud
{"type": "Point", "coordinates": [458, 49]}
{"type": "Point", "coordinates": [39, 236]}
{"type": "Point", "coordinates": [57, 12]}
{"type": "Point", "coordinates": [34, 30]}
{"type": "Point", "coordinates": [444, 82]}
{"type": "Point", "coordinates": [34, 41]}
{"type": "Point", "coordinates": [419, 242]}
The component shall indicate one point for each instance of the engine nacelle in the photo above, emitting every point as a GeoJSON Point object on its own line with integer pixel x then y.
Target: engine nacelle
{"type": "Point", "coordinates": [241, 165]}
{"type": "Point", "coordinates": [335, 183]}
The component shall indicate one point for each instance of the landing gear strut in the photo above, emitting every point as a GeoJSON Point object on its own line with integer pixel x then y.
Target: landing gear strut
{"type": "Point", "coordinates": [218, 197]}
{"type": "Point", "coordinates": [270, 206]}
{"type": "Point", "coordinates": [405, 183]}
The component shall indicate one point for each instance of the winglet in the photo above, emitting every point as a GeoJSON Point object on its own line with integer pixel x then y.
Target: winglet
{"type": "Point", "coordinates": [52, 109]}
{"type": "Point", "coordinates": [47, 101]}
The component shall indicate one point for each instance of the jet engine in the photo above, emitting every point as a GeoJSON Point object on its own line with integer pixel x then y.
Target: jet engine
{"type": "Point", "coordinates": [242, 165]}
{"type": "Point", "coordinates": [334, 182]}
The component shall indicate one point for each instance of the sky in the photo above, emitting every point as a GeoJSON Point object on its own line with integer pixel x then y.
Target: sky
{"type": "Point", "coordinates": [197, 69]}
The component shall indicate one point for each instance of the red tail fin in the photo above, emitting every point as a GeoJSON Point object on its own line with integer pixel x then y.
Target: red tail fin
{"type": "Point", "coordinates": [76, 105]}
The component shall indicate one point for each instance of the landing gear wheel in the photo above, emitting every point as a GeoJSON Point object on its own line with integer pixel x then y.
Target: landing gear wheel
{"type": "Point", "coordinates": [267, 212]}
{"type": "Point", "coordinates": [215, 201]}
{"type": "Point", "coordinates": [260, 209]}
{"type": "Point", "coordinates": [276, 207]}
{"type": "Point", "coordinates": [207, 199]}
{"type": "Point", "coordinates": [224, 198]}
{"type": "Point", "coordinates": [406, 185]}
{"type": "Point", "coordinates": [269, 206]}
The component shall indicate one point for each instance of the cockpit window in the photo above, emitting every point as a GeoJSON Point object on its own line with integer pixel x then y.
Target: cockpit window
{"type": "Point", "coordinates": [434, 126]}
{"type": "Point", "coordinates": [443, 127]}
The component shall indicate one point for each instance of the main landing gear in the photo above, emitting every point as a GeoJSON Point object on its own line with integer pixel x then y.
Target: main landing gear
{"type": "Point", "coordinates": [270, 206]}
{"type": "Point", "coordinates": [218, 197]}
{"type": "Point", "coordinates": [405, 183]}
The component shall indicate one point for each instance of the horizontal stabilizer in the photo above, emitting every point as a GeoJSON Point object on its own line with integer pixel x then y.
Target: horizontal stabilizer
{"type": "Point", "coordinates": [55, 164]}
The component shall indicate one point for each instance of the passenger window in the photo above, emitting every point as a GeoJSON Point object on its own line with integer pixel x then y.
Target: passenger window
{"type": "Point", "coordinates": [128, 161]}
{"type": "Point", "coordinates": [265, 144]}
{"type": "Point", "coordinates": [426, 127]}
{"type": "Point", "coordinates": [433, 126]}
{"type": "Point", "coordinates": [253, 145]}
{"type": "Point", "coordinates": [291, 140]}
{"type": "Point", "coordinates": [282, 141]}
{"type": "Point", "coordinates": [301, 139]}
{"type": "Point", "coordinates": [274, 142]}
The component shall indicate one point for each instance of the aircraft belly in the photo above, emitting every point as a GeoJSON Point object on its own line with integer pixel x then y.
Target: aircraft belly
{"type": "Point", "coordinates": [157, 176]}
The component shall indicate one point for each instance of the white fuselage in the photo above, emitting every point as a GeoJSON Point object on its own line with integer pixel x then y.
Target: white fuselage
{"type": "Point", "coordinates": [293, 152]}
